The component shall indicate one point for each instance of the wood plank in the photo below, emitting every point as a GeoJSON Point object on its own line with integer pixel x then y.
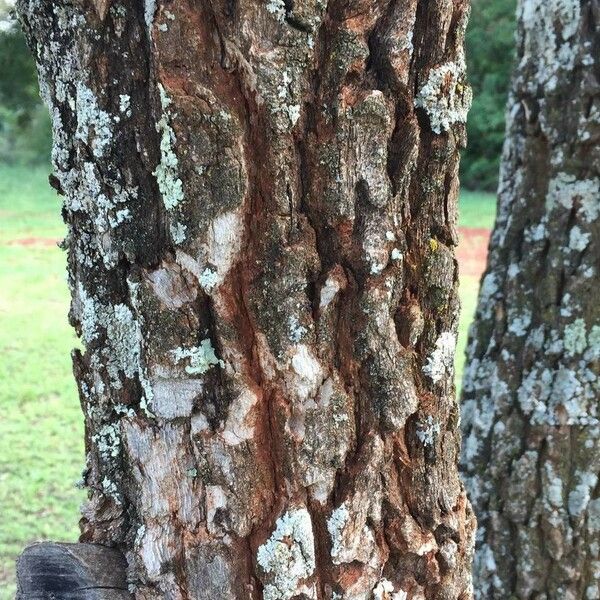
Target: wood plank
{"type": "Point", "coordinates": [55, 571]}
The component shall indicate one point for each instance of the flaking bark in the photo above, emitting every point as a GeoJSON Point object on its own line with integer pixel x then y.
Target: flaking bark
{"type": "Point", "coordinates": [530, 408]}
{"type": "Point", "coordinates": [261, 200]}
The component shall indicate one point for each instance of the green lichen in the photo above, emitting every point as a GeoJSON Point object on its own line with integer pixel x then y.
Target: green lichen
{"type": "Point", "coordinates": [166, 172]}
{"type": "Point", "coordinates": [201, 358]}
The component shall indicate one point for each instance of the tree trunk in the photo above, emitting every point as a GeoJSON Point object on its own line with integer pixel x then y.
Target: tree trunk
{"type": "Point", "coordinates": [531, 428]}
{"type": "Point", "coordinates": [261, 200]}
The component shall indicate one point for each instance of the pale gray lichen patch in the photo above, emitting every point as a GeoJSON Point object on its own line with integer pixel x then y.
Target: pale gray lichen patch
{"type": "Point", "coordinates": [428, 431]}
{"type": "Point", "coordinates": [335, 526]}
{"type": "Point", "coordinates": [94, 125]}
{"type": "Point", "coordinates": [549, 29]}
{"type": "Point", "coordinates": [535, 233]}
{"type": "Point", "coordinates": [580, 497]}
{"type": "Point", "coordinates": [60, 141]}
{"type": "Point", "coordinates": [178, 232]}
{"type": "Point", "coordinates": [396, 254]}
{"type": "Point", "coordinates": [125, 104]}
{"type": "Point", "coordinates": [297, 331]}
{"type": "Point", "coordinates": [149, 10]}
{"type": "Point", "coordinates": [553, 487]}
{"type": "Point", "coordinates": [108, 440]}
{"type": "Point", "coordinates": [384, 590]}
{"type": "Point", "coordinates": [286, 89]}
{"type": "Point", "coordinates": [488, 291]}
{"type": "Point", "coordinates": [201, 358]}
{"type": "Point", "coordinates": [123, 335]}
{"type": "Point", "coordinates": [288, 556]}
{"type": "Point", "coordinates": [564, 190]}
{"type": "Point", "coordinates": [350, 525]}
{"type": "Point", "coordinates": [578, 239]}
{"type": "Point", "coordinates": [519, 323]}
{"type": "Point", "coordinates": [106, 207]}
{"type": "Point", "coordinates": [293, 111]}
{"type": "Point", "coordinates": [277, 9]}
{"type": "Point", "coordinates": [208, 279]}
{"type": "Point", "coordinates": [105, 202]}
{"type": "Point", "coordinates": [562, 395]}
{"type": "Point", "coordinates": [166, 172]}
{"type": "Point", "coordinates": [575, 337]}
{"type": "Point", "coordinates": [376, 249]}
{"type": "Point", "coordinates": [441, 361]}
{"type": "Point", "coordinates": [445, 96]}
{"type": "Point", "coordinates": [110, 489]}
{"type": "Point", "coordinates": [485, 566]}
{"type": "Point", "coordinates": [593, 350]}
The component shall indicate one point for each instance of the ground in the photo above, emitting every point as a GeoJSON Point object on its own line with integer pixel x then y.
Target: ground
{"type": "Point", "coordinates": [41, 438]}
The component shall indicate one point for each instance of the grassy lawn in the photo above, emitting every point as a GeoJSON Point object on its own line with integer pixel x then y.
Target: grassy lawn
{"type": "Point", "coordinates": [41, 445]}
{"type": "Point", "coordinates": [41, 434]}
{"type": "Point", "coordinates": [469, 286]}
{"type": "Point", "coordinates": [477, 209]}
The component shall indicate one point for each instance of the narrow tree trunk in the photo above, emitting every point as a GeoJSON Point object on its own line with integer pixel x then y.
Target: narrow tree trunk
{"type": "Point", "coordinates": [532, 451]}
{"type": "Point", "coordinates": [261, 200]}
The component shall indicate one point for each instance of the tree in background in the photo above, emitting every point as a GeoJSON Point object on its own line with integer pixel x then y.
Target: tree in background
{"type": "Point", "coordinates": [261, 202]}
{"type": "Point", "coordinates": [530, 409]}
{"type": "Point", "coordinates": [25, 133]}
{"type": "Point", "coordinates": [490, 53]}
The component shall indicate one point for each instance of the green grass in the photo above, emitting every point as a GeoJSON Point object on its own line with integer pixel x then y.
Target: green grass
{"type": "Point", "coordinates": [477, 209]}
{"type": "Point", "coordinates": [41, 432]}
{"type": "Point", "coordinates": [469, 286]}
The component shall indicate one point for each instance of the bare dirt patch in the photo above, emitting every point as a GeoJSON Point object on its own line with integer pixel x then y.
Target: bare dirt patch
{"type": "Point", "coordinates": [36, 242]}
{"type": "Point", "coordinates": [472, 250]}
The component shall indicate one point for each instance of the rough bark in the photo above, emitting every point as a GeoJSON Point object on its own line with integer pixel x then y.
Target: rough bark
{"type": "Point", "coordinates": [530, 409]}
{"type": "Point", "coordinates": [261, 200]}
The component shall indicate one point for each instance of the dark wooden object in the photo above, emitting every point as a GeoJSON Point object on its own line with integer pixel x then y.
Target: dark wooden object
{"type": "Point", "coordinates": [51, 571]}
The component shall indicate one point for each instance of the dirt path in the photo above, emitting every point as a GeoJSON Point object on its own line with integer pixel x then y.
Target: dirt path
{"type": "Point", "coordinates": [472, 250]}
{"type": "Point", "coordinates": [35, 242]}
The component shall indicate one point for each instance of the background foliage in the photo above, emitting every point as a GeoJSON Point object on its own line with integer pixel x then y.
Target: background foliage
{"type": "Point", "coordinates": [490, 55]}
{"type": "Point", "coordinates": [24, 121]}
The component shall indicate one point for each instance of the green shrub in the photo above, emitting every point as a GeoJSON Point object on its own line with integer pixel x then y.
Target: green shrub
{"type": "Point", "coordinates": [490, 54]}
{"type": "Point", "coordinates": [25, 130]}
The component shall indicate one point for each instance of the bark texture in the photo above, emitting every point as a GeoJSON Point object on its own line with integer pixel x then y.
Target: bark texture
{"type": "Point", "coordinates": [261, 200]}
{"type": "Point", "coordinates": [530, 409]}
